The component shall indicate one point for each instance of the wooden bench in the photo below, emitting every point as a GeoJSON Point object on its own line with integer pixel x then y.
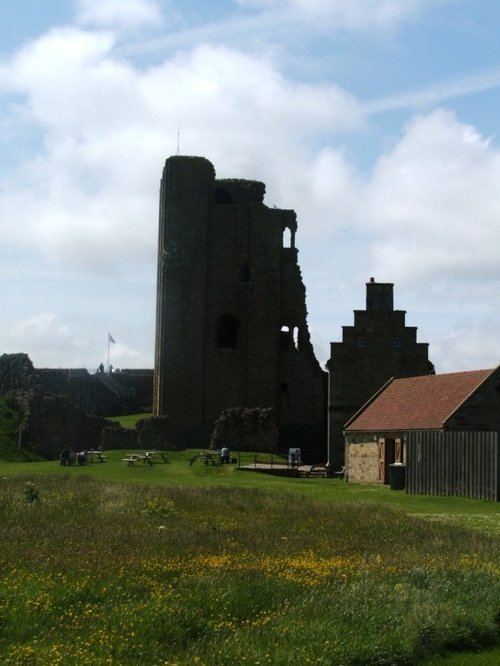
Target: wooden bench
{"type": "Point", "coordinates": [206, 458]}
{"type": "Point", "coordinates": [131, 460]}
{"type": "Point", "coordinates": [339, 474]}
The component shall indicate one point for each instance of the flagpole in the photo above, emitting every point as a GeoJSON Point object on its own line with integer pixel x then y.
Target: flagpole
{"type": "Point", "coordinates": [107, 361]}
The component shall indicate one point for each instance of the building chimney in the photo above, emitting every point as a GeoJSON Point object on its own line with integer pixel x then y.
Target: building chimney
{"type": "Point", "coordinates": [379, 296]}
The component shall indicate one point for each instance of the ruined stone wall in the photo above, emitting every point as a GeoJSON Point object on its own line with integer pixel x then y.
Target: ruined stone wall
{"type": "Point", "coordinates": [122, 392]}
{"type": "Point", "coordinates": [302, 383]}
{"type": "Point", "coordinates": [226, 287]}
{"type": "Point", "coordinates": [17, 374]}
{"type": "Point", "coordinates": [141, 382]}
{"type": "Point", "coordinates": [156, 433]}
{"type": "Point", "coordinates": [113, 436]}
{"type": "Point", "coordinates": [50, 421]}
{"type": "Point", "coordinates": [54, 422]}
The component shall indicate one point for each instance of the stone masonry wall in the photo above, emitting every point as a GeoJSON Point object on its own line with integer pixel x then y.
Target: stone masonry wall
{"type": "Point", "coordinates": [50, 421]}
{"type": "Point", "coordinates": [226, 288]}
{"type": "Point", "coordinates": [362, 462]}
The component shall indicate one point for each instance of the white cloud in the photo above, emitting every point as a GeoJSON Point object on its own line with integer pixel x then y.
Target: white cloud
{"type": "Point", "coordinates": [51, 341]}
{"type": "Point", "coordinates": [119, 13]}
{"type": "Point", "coordinates": [42, 335]}
{"type": "Point", "coordinates": [87, 200]}
{"type": "Point", "coordinates": [352, 15]}
{"type": "Point", "coordinates": [433, 204]}
{"type": "Point", "coordinates": [108, 128]}
{"type": "Point", "coordinates": [278, 26]}
{"type": "Point", "coordinates": [469, 346]}
{"type": "Point", "coordinates": [436, 93]}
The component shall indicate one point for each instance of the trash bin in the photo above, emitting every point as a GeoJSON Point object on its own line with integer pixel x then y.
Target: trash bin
{"type": "Point", "coordinates": [397, 475]}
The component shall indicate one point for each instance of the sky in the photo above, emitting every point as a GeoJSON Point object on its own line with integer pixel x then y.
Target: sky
{"type": "Point", "coordinates": [377, 121]}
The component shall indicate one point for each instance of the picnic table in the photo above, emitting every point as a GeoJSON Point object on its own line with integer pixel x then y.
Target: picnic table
{"type": "Point", "coordinates": [154, 454]}
{"type": "Point", "coordinates": [208, 458]}
{"type": "Point", "coordinates": [97, 454]}
{"type": "Point", "coordinates": [131, 460]}
{"type": "Point", "coordinates": [146, 457]}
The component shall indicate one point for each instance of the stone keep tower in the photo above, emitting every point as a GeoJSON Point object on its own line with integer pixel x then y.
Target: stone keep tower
{"type": "Point", "coordinates": [378, 347]}
{"type": "Point", "coordinates": [231, 325]}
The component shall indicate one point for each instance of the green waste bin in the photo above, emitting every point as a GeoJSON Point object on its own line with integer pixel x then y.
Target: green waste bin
{"type": "Point", "coordinates": [397, 476]}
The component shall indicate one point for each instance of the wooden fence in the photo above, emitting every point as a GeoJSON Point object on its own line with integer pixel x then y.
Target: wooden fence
{"type": "Point", "coordinates": [462, 464]}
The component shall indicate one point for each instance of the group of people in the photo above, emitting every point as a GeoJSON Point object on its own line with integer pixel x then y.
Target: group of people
{"type": "Point", "coordinates": [71, 457]}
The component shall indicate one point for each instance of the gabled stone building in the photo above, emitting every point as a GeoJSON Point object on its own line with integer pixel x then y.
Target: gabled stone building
{"type": "Point", "coordinates": [379, 346]}
{"type": "Point", "coordinates": [231, 323]}
{"type": "Point", "coordinates": [444, 427]}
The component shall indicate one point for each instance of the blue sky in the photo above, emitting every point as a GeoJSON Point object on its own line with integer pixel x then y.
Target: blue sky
{"type": "Point", "coordinates": [376, 120]}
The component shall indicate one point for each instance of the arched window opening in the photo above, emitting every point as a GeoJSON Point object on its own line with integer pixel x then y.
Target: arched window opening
{"type": "Point", "coordinates": [284, 338]}
{"type": "Point", "coordinates": [222, 196]}
{"type": "Point", "coordinates": [227, 332]}
{"type": "Point", "coordinates": [287, 237]}
{"type": "Point", "coordinates": [295, 337]}
{"type": "Point", "coordinates": [284, 387]}
{"type": "Point", "coordinates": [244, 273]}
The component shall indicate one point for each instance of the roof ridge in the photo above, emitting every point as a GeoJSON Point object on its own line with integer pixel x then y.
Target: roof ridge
{"type": "Point", "coordinates": [419, 402]}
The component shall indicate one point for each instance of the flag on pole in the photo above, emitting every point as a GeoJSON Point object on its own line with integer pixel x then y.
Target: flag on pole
{"type": "Point", "coordinates": [110, 338]}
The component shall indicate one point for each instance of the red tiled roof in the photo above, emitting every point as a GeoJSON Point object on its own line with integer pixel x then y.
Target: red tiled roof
{"type": "Point", "coordinates": [417, 403]}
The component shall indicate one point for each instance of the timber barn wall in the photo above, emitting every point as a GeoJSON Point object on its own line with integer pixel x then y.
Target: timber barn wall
{"type": "Point", "coordinates": [461, 464]}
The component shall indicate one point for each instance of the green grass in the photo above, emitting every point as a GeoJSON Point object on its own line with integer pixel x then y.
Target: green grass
{"type": "Point", "coordinates": [180, 564]}
{"type": "Point", "coordinates": [129, 420]}
{"type": "Point", "coordinates": [477, 514]}
{"type": "Point", "coordinates": [490, 658]}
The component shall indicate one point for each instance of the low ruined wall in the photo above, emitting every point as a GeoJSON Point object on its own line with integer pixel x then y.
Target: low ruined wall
{"type": "Point", "coordinates": [362, 462]}
{"type": "Point", "coordinates": [116, 437]}
{"type": "Point", "coordinates": [155, 433]}
{"type": "Point", "coordinates": [50, 422]}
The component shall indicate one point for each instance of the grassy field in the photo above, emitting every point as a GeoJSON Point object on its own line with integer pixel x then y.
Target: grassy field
{"type": "Point", "coordinates": [129, 420]}
{"type": "Point", "coordinates": [180, 564]}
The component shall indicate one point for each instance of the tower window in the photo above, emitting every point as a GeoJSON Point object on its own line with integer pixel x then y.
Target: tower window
{"type": "Point", "coordinates": [396, 343]}
{"type": "Point", "coordinates": [222, 196]}
{"type": "Point", "coordinates": [244, 273]}
{"type": "Point", "coordinates": [227, 332]}
{"type": "Point", "coordinates": [289, 338]}
{"type": "Point", "coordinates": [284, 338]}
{"type": "Point", "coordinates": [361, 341]}
{"type": "Point", "coordinates": [287, 237]}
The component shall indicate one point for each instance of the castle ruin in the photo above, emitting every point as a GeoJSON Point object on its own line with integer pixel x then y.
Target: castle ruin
{"type": "Point", "coordinates": [231, 322]}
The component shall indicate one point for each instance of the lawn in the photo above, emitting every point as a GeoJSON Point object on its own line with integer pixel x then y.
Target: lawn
{"type": "Point", "coordinates": [180, 564]}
